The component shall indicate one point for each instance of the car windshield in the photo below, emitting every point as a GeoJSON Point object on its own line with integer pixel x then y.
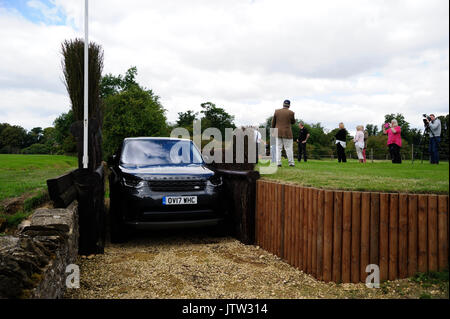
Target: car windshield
{"type": "Point", "coordinates": [157, 152]}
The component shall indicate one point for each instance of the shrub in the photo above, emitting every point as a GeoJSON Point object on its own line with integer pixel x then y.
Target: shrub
{"type": "Point", "coordinates": [37, 149]}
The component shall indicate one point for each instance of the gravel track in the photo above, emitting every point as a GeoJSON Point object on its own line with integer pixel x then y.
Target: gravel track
{"type": "Point", "coordinates": [195, 265]}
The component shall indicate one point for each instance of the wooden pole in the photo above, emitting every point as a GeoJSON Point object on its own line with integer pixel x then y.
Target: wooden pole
{"type": "Point", "coordinates": [320, 230]}
{"type": "Point", "coordinates": [384, 236]}
{"type": "Point", "coordinates": [432, 233]}
{"type": "Point", "coordinates": [356, 236]}
{"type": "Point", "coordinates": [337, 237]}
{"type": "Point", "coordinates": [310, 229]}
{"type": "Point", "coordinates": [328, 236]}
{"type": "Point", "coordinates": [412, 235]}
{"type": "Point", "coordinates": [374, 228]}
{"type": "Point", "coordinates": [365, 235]}
{"type": "Point", "coordinates": [346, 236]}
{"type": "Point", "coordinates": [403, 236]}
{"type": "Point", "coordinates": [443, 231]}
{"type": "Point", "coordinates": [393, 237]}
{"type": "Point", "coordinates": [314, 233]}
{"type": "Point", "coordinates": [297, 227]}
{"type": "Point", "coordinates": [422, 262]}
{"type": "Point", "coordinates": [305, 230]}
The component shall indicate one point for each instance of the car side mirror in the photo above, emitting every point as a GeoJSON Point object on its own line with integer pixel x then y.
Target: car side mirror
{"type": "Point", "coordinates": [112, 160]}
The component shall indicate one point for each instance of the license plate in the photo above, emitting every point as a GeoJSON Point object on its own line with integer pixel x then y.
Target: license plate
{"type": "Point", "coordinates": [179, 200]}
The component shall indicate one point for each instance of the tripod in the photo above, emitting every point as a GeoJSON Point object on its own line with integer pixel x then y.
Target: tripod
{"type": "Point", "coordinates": [421, 143]}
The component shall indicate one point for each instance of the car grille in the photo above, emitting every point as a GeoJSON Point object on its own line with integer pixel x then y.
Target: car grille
{"type": "Point", "coordinates": [177, 185]}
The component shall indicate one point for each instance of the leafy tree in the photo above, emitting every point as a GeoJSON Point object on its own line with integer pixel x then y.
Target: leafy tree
{"type": "Point", "coordinates": [65, 143]}
{"type": "Point", "coordinates": [36, 149]}
{"type": "Point", "coordinates": [34, 136]}
{"type": "Point", "coordinates": [131, 113]}
{"type": "Point", "coordinates": [185, 119]}
{"type": "Point", "coordinates": [13, 138]}
{"type": "Point", "coordinates": [110, 84]}
{"type": "Point", "coordinates": [49, 139]}
{"type": "Point", "coordinates": [372, 130]}
{"type": "Point", "coordinates": [217, 117]}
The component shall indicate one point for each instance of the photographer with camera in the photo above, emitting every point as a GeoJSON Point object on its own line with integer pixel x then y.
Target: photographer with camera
{"type": "Point", "coordinates": [433, 124]}
{"type": "Point", "coordinates": [394, 141]}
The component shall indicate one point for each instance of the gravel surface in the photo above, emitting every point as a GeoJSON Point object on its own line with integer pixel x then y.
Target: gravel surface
{"type": "Point", "coordinates": [195, 265]}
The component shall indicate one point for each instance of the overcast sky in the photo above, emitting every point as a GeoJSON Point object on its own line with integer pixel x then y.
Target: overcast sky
{"type": "Point", "coordinates": [350, 61]}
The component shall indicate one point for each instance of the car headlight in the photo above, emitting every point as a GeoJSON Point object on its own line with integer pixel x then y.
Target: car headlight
{"type": "Point", "coordinates": [133, 182]}
{"type": "Point", "coordinates": [215, 180]}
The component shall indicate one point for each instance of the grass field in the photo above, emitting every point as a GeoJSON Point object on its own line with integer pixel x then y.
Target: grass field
{"type": "Point", "coordinates": [21, 174]}
{"type": "Point", "coordinates": [378, 176]}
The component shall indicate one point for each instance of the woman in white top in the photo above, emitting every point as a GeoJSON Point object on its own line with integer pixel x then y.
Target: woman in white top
{"type": "Point", "coordinates": [359, 142]}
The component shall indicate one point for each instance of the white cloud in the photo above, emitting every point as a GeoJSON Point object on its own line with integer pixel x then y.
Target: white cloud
{"type": "Point", "coordinates": [335, 60]}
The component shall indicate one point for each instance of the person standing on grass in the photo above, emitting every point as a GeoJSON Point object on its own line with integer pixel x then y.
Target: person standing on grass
{"type": "Point", "coordinates": [435, 138]}
{"type": "Point", "coordinates": [394, 142]}
{"type": "Point", "coordinates": [303, 136]}
{"type": "Point", "coordinates": [359, 142]}
{"type": "Point", "coordinates": [366, 137]}
{"type": "Point", "coordinates": [282, 120]}
{"type": "Point", "coordinates": [341, 143]}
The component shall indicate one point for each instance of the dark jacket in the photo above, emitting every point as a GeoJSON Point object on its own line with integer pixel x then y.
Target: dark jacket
{"type": "Point", "coordinates": [282, 120]}
{"type": "Point", "coordinates": [341, 135]}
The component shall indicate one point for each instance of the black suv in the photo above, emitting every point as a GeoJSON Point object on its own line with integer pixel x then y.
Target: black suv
{"type": "Point", "coordinates": [160, 183]}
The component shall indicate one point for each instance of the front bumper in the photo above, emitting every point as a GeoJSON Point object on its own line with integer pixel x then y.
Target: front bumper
{"type": "Point", "coordinates": [144, 209]}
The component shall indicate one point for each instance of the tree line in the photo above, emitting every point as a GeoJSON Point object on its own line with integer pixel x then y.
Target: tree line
{"type": "Point", "coordinates": [130, 109]}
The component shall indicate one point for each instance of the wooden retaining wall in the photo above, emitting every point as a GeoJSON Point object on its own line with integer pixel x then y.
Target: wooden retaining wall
{"type": "Point", "coordinates": [334, 235]}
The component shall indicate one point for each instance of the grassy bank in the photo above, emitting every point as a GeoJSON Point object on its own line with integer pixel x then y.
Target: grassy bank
{"type": "Point", "coordinates": [21, 174]}
{"type": "Point", "coordinates": [378, 176]}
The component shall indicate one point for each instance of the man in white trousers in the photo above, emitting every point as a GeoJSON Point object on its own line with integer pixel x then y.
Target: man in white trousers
{"type": "Point", "coordinates": [282, 120]}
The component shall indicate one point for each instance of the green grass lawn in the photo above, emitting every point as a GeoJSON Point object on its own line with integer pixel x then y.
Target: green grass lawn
{"type": "Point", "coordinates": [21, 174]}
{"type": "Point", "coordinates": [378, 176]}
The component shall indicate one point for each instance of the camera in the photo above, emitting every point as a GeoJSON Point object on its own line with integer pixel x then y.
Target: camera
{"type": "Point", "coordinates": [426, 120]}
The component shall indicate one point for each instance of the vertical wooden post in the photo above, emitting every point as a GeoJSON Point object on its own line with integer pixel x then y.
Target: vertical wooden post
{"type": "Point", "coordinates": [270, 217]}
{"type": "Point", "coordinates": [393, 237]}
{"type": "Point", "coordinates": [314, 233]}
{"type": "Point", "coordinates": [422, 222]}
{"type": "Point", "coordinates": [300, 226]}
{"type": "Point", "coordinates": [287, 224]}
{"type": "Point", "coordinates": [365, 235]}
{"type": "Point", "coordinates": [310, 231]}
{"type": "Point", "coordinates": [328, 236]}
{"type": "Point", "coordinates": [375, 228]}
{"type": "Point", "coordinates": [262, 185]}
{"type": "Point", "coordinates": [403, 236]}
{"type": "Point", "coordinates": [337, 237]}
{"type": "Point", "coordinates": [293, 224]}
{"type": "Point", "coordinates": [432, 233]}
{"type": "Point", "coordinates": [443, 231]}
{"type": "Point", "coordinates": [384, 236]}
{"type": "Point", "coordinates": [346, 236]}
{"type": "Point", "coordinates": [305, 230]}
{"type": "Point", "coordinates": [412, 235]}
{"type": "Point", "coordinates": [356, 236]}
{"type": "Point", "coordinates": [280, 225]}
{"type": "Point", "coordinates": [320, 227]}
